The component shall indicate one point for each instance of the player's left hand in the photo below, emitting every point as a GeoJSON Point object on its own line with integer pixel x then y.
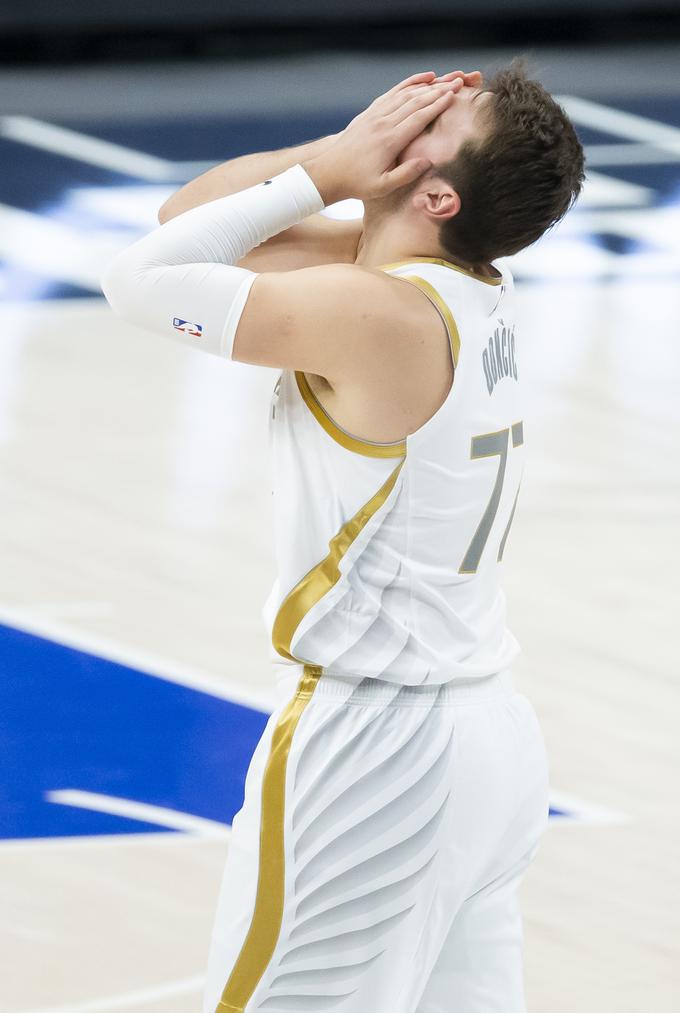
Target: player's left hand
{"type": "Point", "coordinates": [362, 161]}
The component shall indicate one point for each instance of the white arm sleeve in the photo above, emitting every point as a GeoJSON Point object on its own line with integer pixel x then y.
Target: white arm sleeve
{"type": "Point", "coordinates": [180, 280]}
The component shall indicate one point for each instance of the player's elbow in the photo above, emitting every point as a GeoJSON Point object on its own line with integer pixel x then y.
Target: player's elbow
{"type": "Point", "coordinates": [119, 284]}
{"type": "Point", "coordinates": [113, 286]}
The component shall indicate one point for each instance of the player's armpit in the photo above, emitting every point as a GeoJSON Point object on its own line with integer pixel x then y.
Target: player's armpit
{"type": "Point", "coordinates": [338, 321]}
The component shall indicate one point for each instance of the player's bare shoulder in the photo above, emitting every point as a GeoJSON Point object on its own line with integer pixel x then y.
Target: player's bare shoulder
{"type": "Point", "coordinates": [396, 353]}
{"type": "Point", "coordinates": [407, 312]}
{"type": "Point", "coordinates": [401, 350]}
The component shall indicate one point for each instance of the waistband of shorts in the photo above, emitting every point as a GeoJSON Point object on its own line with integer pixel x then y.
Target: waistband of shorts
{"type": "Point", "coordinates": [317, 681]}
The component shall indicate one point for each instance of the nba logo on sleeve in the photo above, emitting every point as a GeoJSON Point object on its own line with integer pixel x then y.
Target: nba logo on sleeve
{"type": "Point", "coordinates": [196, 330]}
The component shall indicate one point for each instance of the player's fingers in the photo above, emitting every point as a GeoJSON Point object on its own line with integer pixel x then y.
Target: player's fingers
{"type": "Point", "coordinates": [420, 98]}
{"type": "Point", "coordinates": [450, 76]}
{"type": "Point", "coordinates": [472, 77]}
{"type": "Point", "coordinates": [424, 77]}
{"type": "Point", "coordinates": [405, 173]}
{"type": "Point", "coordinates": [396, 99]}
{"type": "Point", "coordinates": [384, 103]}
{"type": "Point", "coordinates": [409, 126]}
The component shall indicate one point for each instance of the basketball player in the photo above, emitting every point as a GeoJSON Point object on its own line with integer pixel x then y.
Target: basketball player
{"type": "Point", "coordinates": [400, 788]}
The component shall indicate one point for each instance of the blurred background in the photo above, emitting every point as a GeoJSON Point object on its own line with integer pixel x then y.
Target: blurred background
{"type": "Point", "coordinates": [135, 528]}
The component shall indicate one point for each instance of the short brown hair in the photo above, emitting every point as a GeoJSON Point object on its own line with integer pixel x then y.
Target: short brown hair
{"type": "Point", "coordinates": [517, 180]}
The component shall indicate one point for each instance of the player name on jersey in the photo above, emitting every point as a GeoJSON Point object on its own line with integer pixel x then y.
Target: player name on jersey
{"type": "Point", "coordinates": [498, 358]}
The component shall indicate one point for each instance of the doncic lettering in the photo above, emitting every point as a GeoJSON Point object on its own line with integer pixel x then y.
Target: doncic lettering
{"type": "Point", "coordinates": [498, 358]}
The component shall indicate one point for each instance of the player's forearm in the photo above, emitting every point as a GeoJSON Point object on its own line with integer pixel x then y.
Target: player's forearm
{"type": "Point", "coordinates": [182, 279]}
{"type": "Point", "coordinates": [237, 174]}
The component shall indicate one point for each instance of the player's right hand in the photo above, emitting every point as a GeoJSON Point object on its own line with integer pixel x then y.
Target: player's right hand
{"type": "Point", "coordinates": [471, 79]}
{"type": "Point", "coordinates": [361, 160]}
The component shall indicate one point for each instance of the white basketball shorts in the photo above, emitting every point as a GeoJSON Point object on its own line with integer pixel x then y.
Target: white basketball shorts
{"type": "Point", "coordinates": [375, 863]}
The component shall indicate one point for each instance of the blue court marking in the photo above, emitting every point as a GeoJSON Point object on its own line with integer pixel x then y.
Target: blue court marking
{"type": "Point", "coordinates": [72, 720]}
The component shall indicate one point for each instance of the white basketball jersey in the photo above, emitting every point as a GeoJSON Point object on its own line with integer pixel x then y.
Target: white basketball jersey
{"type": "Point", "coordinates": [389, 555]}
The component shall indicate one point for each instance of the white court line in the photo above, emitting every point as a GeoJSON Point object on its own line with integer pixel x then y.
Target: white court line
{"type": "Point", "coordinates": [264, 699]}
{"type": "Point", "coordinates": [620, 124]}
{"type": "Point", "coordinates": [159, 815]}
{"type": "Point", "coordinates": [631, 154]}
{"type": "Point", "coordinates": [601, 190]}
{"type": "Point", "coordinates": [83, 148]}
{"type": "Point", "coordinates": [127, 1000]}
{"type": "Point", "coordinates": [143, 838]}
{"type": "Point", "coordinates": [189, 170]}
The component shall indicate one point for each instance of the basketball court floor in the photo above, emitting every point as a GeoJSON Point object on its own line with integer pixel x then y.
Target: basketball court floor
{"type": "Point", "coordinates": [137, 552]}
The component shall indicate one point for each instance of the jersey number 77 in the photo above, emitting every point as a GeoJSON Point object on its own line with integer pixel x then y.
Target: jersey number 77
{"type": "Point", "coordinates": [487, 445]}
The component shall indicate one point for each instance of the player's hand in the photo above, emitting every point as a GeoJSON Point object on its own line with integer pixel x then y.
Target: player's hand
{"type": "Point", "coordinates": [471, 79]}
{"type": "Point", "coordinates": [361, 162]}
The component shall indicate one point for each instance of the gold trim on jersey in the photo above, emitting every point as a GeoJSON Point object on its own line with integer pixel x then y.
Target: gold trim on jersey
{"type": "Point", "coordinates": [321, 578]}
{"type": "Point", "coordinates": [444, 311]}
{"type": "Point", "coordinates": [340, 435]}
{"type": "Point", "coordinates": [265, 924]}
{"type": "Point", "coordinates": [445, 263]}
{"type": "Point", "coordinates": [371, 448]}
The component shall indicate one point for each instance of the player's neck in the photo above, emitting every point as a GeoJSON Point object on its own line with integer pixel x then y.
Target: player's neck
{"type": "Point", "coordinates": [379, 245]}
{"type": "Point", "coordinates": [385, 240]}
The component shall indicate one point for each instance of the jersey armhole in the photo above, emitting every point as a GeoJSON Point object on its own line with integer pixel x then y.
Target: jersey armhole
{"type": "Point", "coordinates": [356, 444]}
{"type": "Point", "coordinates": [367, 447]}
{"type": "Point", "coordinates": [443, 310]}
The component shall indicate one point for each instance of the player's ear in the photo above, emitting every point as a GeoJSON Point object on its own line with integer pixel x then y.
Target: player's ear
{"type": "Point", "coordinates": [438, 200]}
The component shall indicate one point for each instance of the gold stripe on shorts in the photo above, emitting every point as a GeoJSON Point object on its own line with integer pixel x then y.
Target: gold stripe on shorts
{"type": "Point", "coordinates": [265, 926]}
